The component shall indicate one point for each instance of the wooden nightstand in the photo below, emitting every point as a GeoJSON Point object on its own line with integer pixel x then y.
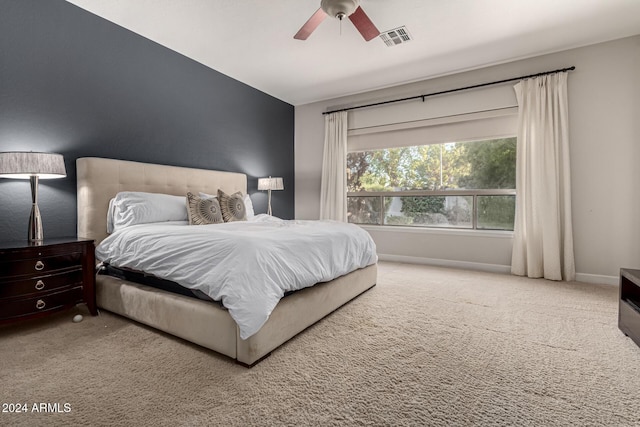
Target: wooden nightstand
{"type": "Point", "coordinates": [39, 280]}
{"type": "Point", "coordinates": [629, 304]}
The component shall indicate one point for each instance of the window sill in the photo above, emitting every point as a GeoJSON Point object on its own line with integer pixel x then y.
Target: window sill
{"type": "Point", "coordinates": [501, 234]}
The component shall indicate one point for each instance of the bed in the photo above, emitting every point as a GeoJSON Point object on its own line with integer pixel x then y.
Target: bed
{"type": "Point", "coordinates": [205, 323]}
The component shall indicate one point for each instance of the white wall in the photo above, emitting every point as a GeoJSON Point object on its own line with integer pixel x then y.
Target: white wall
{"type": "Point", "coordinates": [604, 115]}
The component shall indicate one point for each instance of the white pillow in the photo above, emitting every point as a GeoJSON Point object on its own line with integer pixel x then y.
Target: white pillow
{"type": "Point", "coordinates": [248, 205]}
{"type": "Point", "coordinates": [135, 207]}
{"type": "Point", "coordinates": [110, 216]}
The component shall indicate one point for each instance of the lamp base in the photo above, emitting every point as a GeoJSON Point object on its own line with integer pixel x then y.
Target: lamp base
{"type": "Point", "coordinates": [35, 222]}
{"type": "Point", "coordinates": [35, 225]}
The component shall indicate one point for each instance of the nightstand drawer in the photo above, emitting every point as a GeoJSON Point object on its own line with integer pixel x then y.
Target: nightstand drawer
{"type": "Point", "coordinates": [40, 265]}
{"type": "Point", "coordinates": [40, 284]}
{"type": "Point", "coordinates": [28, 306]}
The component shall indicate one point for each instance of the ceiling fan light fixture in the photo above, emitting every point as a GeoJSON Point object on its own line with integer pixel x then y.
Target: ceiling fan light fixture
{"type": "Point", "coordinates": [339, 8]}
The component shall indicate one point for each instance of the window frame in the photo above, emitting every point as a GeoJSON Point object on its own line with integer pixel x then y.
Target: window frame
{"type": "Point", "coordinates": [457, 192]}
{"type": "Point", "coordinates": [482, 125]}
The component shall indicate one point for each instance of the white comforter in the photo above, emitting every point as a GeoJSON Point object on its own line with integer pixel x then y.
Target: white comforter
{"type": "Point", "coordinates": [248, 266]}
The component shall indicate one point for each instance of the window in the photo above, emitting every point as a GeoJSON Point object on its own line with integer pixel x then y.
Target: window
{"type": "Point", "coordinates": [468, 185]}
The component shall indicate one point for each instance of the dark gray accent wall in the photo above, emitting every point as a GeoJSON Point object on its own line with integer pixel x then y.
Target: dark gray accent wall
{"type": "Point", "coordinates": [76, 84]}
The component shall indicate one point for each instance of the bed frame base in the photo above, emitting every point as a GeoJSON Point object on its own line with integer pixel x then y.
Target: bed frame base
{"type": "Point", "coordinates": [208, 324]}
{"type": "Point", "coordinates": [254, 363]}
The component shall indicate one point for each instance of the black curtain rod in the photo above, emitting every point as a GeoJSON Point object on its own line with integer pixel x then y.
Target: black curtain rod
{"type": "Point", "coordinates": [562, 70]}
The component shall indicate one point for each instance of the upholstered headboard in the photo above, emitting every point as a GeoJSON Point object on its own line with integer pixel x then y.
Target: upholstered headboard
{"type": "Point", "coordinates": [99, 180]}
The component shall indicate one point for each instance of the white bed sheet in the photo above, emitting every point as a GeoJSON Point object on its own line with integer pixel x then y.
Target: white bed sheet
{"type": "Point", "coordinates": [248, 265]}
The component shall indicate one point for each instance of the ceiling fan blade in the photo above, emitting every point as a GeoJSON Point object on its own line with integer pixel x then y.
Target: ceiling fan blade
{"type": "Point", "coordinates": [310, 25]}
{"type": "Point", "coordinates": [364, 24]}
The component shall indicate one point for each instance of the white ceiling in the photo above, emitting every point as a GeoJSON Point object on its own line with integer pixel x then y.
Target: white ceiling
{"type": "Point", "coordinates": [252, 40]}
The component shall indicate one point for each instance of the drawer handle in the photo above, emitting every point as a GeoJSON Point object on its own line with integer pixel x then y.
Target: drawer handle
{"type": "Point", "coordinates": [39, 265]}
{"type": "Point", "coordinates": [40, 304]}
{"type": "Point", "coordinates": [39, 285]}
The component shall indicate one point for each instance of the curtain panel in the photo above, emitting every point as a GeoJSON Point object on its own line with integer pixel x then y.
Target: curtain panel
{"type": "Point", "coordinates": [543, 232]}
{"type": "Point", "coordinates": [333, 192]}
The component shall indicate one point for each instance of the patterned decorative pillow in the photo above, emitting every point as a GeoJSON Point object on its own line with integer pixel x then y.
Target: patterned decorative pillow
{"type": "Point", "coordinates": [248, 204]}
{"type": "Point", "coordinates": [232, 206]}
{"type": "Point", "coordinates": [203, 211]}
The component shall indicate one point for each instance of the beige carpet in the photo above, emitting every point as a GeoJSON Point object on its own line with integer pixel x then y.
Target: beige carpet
{"type": "Point", "coordinates": [427, 346]}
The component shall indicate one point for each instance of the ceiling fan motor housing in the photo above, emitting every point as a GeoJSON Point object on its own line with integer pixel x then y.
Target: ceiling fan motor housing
{"type": "Point", "coordinates": [339, 8]}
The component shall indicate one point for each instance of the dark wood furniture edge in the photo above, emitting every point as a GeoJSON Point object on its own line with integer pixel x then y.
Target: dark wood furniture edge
{"type": "Point", "coordinates": [629, 304]}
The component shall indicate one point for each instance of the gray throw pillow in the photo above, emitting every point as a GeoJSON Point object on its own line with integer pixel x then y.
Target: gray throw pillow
{"type": "Point", "coordinates": [203, 211]}
{"type": "Point", "coordinates": [232, 206]}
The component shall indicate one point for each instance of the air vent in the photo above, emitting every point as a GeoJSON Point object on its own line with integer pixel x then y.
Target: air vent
{"type": "Point", "coordinates": [396, 36]}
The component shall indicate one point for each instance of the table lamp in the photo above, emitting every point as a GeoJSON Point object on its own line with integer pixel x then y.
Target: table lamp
{"type": "Point", "coordinates": [270, 184]}
{"type": "Point", "coordinates": [32, 166]}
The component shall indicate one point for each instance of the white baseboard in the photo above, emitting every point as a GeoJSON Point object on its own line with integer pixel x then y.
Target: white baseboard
{"type": "Point", "coordinates": [466, 265]}
{"type": "Point", "coordinates": [597, 279]}
{"type": "Point", "coordinates": [492, 268]}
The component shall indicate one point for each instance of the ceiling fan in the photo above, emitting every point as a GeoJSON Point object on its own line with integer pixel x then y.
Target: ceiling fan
{"type": "Point", "coordinates": [339, 9]}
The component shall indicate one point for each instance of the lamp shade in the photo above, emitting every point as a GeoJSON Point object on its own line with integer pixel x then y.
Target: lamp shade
{"type": "Point", "coordinates": [25, 164]}
{"type": "Point", "coordinates": [270, 183]}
